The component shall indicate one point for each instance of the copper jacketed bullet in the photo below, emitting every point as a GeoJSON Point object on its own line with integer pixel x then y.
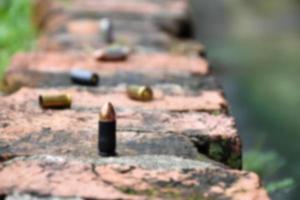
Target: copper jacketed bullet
{"type": "Point", "coordinates": [112, 53]}
{"type": "Point", "coordinates": [107, 30]}
{"type": "Point", "coordinates": [84, 77]}
{"type": "Point", "coordinates": [107, 131]}
{"type": "Point", "coordinates": [59, 101]}
{"type": "Point", "coordinates": [140, 93]}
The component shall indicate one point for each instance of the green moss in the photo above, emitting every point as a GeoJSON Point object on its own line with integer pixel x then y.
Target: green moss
{"type": "Point", "coordinates": [203, 158]}
{"type": "Point", "coordinates": [128, 191]}
{"type": "Point", "coordinates": [216, 151]}
{"type": "Point", "coordinates": [216, 112]}
{"type": "Point", "coordinates": [234, 161]}
{"type": "Point", "coordinates": [165, 192]}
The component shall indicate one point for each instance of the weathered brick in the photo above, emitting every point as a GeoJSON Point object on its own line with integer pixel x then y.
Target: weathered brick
{"type": "Point", "coordinates": [85, 33]}
{"type": "Point", "coordinates": [140, 8]}
{"type": "Point", "coordinates": [52, 69]}
{"type": "Point", "coordinates": [127, 178]}
{"type": "Point", "coordinates": [143, 128]}
{"type": "Point", "coordinates": [67, 41]}
{"type": "Point", "coordinates": [167, 15]}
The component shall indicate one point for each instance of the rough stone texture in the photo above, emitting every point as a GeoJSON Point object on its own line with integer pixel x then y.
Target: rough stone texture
{"type": "Point", "coordinates": [142, 128]}
{"type": "Point", "coordinates": [177, 101]}
{"type": "Point", "coordinates": [137, 23]}
{"type": "Point", "coordinates": [81, 34]}
{"type": "Point", "coordinates": [57, 176]}
{"type": "Point", "coordinates": [213, 135]}
{"type": "Point", "coordinates": [167, 15]}
{"type": "Point", "coordinates": [134, 7]}
{"type": "Point", "coordinates": [52, 69]}
{"type": "Point", "coordinates": [18, 196]}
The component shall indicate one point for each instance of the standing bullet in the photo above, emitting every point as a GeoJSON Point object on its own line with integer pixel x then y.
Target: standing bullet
{"type": "Point", "coordinates": [84, 77]}
{"type": "Point", "coordinates": [112, 53]}
{"type": "Point", "coordinates": [59, 101]}
{"type": "Point", "coordinates": [107, 131]}
{"type": "Point", "coordinates": [107, 30]}
{"type": "Point", "coordinates": [140, 93]}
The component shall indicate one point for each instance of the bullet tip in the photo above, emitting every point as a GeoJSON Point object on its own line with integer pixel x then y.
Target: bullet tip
{"type": "Point", "coordinates": [107, 113]}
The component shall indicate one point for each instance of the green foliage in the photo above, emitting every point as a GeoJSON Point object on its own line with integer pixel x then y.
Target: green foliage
{"type": "Point", "coordinates": [16, 30]}
{"type": "Point", "coordinates": [287, 183]}
{"type": "Point", "coordinates": [266, 165]}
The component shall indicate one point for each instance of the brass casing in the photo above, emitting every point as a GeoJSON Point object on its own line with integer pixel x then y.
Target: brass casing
{"type": "Point", "coordinates": [55, 101]}
{"type": "Point", "coordinates": [140, 93]}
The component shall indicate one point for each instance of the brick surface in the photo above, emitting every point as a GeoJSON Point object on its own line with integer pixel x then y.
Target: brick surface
{"type": "Point", "coordinates": [52, 69]}
{"type": "Point", "coordinates": [127, 179]}
{"type": "Point", "coordinates": [141, 129]}
{"type": "Point", "coordinates": [136, 23]}
{"type": "Point", "coordinates": [74, 42]}
{"type": "Point", "coordinates": [181, 145]}
{"type": "Point", "coordinates": [161, 13]}
{"type": "Point", "coordinates": [84, 33]}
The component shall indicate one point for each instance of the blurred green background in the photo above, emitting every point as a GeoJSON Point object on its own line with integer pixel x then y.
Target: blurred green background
{"type": "Point", "coordinates": [16, 31]}
{"type": "Point", "coordinates": [254, 47]}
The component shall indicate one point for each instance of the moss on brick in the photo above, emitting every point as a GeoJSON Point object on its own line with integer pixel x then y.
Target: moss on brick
{"type": "Point", "coordinates": [216, 151]}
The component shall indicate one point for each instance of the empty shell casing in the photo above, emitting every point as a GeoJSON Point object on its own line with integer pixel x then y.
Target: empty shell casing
{"type": "Point", "coordinates": [84, 77]}
{"type": "Point", "coordinates": [112, 53]}
{"type": "Point", "coordinates": [140, 93]}
{"type": "Point", "coordinates": [107, 30]}
{"type": "Point", "coordinates": [59, 101]}
{"type": "Point", "coordinates": [107, 131]}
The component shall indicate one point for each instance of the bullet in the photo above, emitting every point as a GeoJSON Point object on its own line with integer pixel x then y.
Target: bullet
{"type": "Point", "coordinates": [107, 30]}
{"type": "Point", "coordinates": [84, 77]}
{"type": "Point", "coordinates": [140, 93]}
{"type": "Point", "coordinates": [107, 131]}
{"type": "Point", "coordinates": [59, 101]}
{"type": "Point", "coordinates": [112, 53]}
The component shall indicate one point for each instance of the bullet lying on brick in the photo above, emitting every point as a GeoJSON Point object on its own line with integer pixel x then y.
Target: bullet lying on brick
{"type": "Point", "coordinates": [140, 93]}
{"type": "Point", "coordinates": [107, 131]}
{"type": "Point", "coordinates": [107, 30]}
{"type": "Point", "coordinates": [84, 77]}
{"type": "Point", "coordinates": [112, 53]}
{"type": "Point", "coordinates": [59, 101]}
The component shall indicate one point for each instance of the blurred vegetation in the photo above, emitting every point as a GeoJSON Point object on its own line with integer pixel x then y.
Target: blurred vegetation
{"type": "Point", "coordinates": [267, 165]}
{"type": "Point", "coordinates": [16, 30]}
{"type": "Point", "coordinates": [261, 51]}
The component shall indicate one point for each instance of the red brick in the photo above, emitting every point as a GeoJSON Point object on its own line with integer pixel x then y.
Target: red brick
{"type": "Point", "coordinates": [83, 27]}
{"type": "Point", "coordinates": [52, 69]}
{"type": "Point", "coordinates": [56, 176]}
{"type": "Point", "coordinates": [159, 63]}
{"type": "Point", "coordinates": [143, 8]}
{"type": "Point", "coordinates": [140, 131]}
{"type": "Point", "coordinates": [168, 16]}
